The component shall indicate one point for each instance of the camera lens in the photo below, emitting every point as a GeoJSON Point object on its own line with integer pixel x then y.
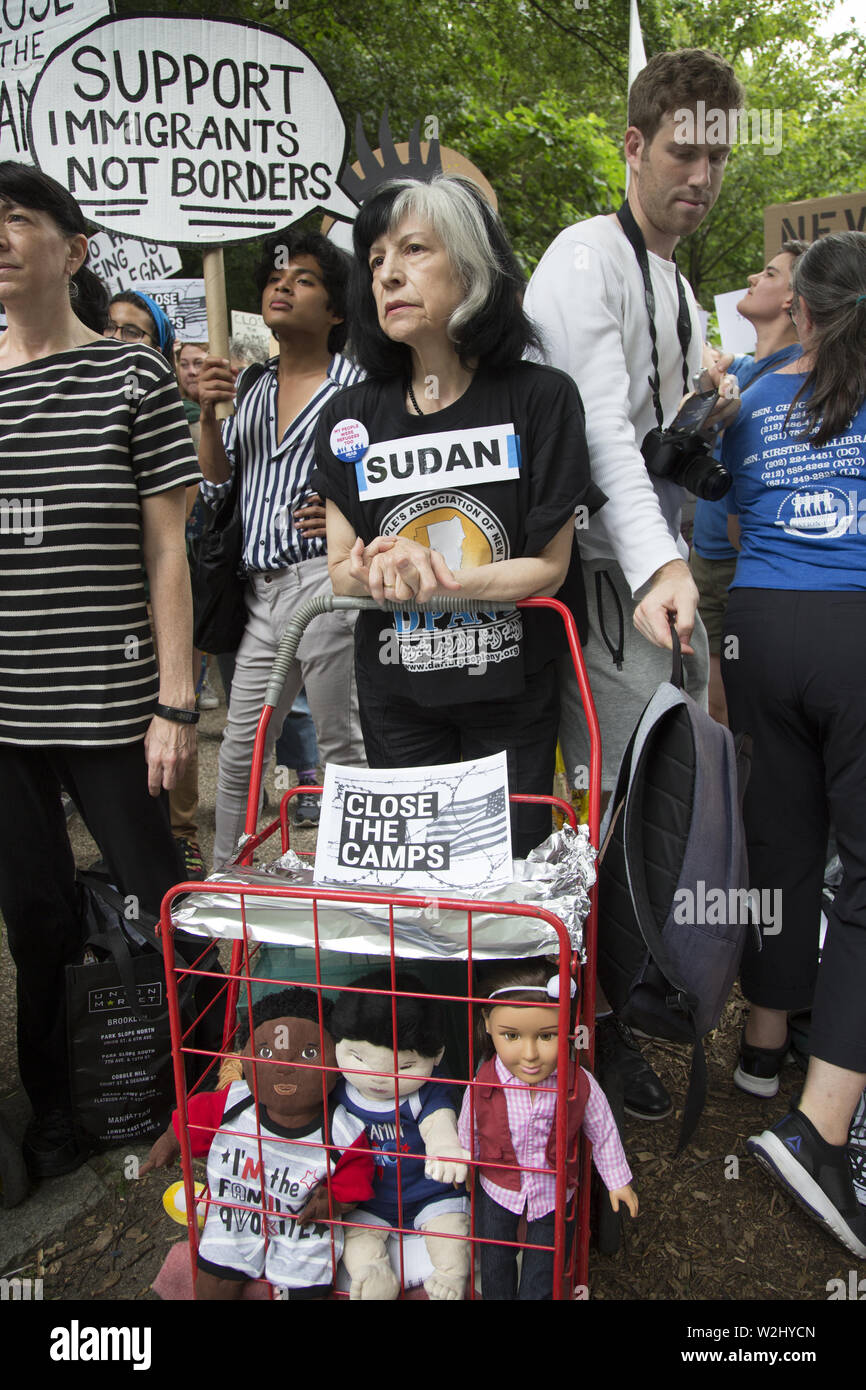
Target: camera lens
{"type": "Point", "coordinates": [706, 478]}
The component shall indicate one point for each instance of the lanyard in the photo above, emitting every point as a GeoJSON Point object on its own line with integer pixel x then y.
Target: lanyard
{"type": "Point", "coordinates": [684, 322]}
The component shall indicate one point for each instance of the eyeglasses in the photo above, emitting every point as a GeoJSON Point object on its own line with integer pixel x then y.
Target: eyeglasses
{"type": "Point", "coordinates": [128, 332]}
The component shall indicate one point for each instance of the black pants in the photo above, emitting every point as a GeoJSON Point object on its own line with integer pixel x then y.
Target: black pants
{"type": "Point", "coordinates": [499, 1262]}
{"type": "Point", "coordinates": [38, 897]}
{"type": "Point", "coordinates": [400, 733]}
{"type": "Point", "coordinates": [795, 679]}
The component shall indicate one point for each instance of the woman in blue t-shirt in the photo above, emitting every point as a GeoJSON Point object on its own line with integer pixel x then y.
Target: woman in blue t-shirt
{"type": "Point", "coordinates": [794, 667]}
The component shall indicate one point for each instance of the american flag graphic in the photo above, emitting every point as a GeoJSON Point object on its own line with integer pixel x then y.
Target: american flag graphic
{"type": "Point", "coordinates": [473, 824]}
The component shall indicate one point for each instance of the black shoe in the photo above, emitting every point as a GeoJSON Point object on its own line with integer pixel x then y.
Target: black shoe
{"type": "Point", "coordinates": [757, 1071]}
{"type": "Point", "coordinates": [816, 1174]}
{"type": "Point", "coordinates": [307, 807]}
{"type": "Point", "coordinates": [53, 1145]}
{"type": "Point", "coordinates": [644, 1096]}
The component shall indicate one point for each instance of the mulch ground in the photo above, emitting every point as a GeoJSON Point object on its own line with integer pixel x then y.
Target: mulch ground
{"type": "Point", "coordinates": [711, 1226]}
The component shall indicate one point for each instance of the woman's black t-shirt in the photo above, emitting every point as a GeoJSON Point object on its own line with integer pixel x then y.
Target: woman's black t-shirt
{"type": "Point", "coordinates": [494, 476]}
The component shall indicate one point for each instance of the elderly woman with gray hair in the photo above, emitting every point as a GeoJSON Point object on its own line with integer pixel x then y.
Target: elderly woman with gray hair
{"type": "Point", "coordinates": [454, 469]}
{"type": "Point", "coordinates": [794, 668]}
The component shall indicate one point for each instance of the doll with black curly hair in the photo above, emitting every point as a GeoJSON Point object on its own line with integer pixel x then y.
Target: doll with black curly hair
{"type": "Point", "coordinates": [296, 1153]}
{"type": "Point", "coordinates": [420, 1163]}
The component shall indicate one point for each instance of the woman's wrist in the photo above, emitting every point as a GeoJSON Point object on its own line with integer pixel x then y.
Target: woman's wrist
{"type": "Point", "coordinates": [176, 714]}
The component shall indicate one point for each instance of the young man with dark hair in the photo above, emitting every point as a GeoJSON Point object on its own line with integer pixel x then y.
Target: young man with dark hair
{"type": "Point", "coordinates": [302, 281]}
{"type": "Point", "coordinates": [589, 296]}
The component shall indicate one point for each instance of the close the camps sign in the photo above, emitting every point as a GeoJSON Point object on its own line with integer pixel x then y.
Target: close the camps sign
{"type": "Point", "coordinates": [29, 31]}
{"type": "Point", "coordinates": [189, 130]}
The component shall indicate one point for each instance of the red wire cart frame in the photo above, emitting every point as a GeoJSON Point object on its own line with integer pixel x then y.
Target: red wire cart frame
{"type": "Point", "coordinates": [570, 1277]}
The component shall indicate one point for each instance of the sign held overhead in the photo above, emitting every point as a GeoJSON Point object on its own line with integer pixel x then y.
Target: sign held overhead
{"type": "Point", "coordinates": [189, 130]}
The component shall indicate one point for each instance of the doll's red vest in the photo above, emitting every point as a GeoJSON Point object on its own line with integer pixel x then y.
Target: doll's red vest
{"type": "Point", "coordinates": [494, 1140]}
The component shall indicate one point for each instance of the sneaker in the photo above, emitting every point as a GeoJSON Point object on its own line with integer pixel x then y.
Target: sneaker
{"type": "Point", "coordinates": [857, 1150]}
{"type": "Point", "coordinates": [757, 1071]}
{"type": "Point", "coordinates": [53, 1145]}
{"type": "Point", "coordinates": [816, 1174]}
{"type": "Point", "coordinates": [644, 1096]}
{"type": "Point", "coordinates": [207, 698]}
{"type": "Point", "coordinates": [306, 808]}
{"type": "Point", "coordinates": [191, 860]}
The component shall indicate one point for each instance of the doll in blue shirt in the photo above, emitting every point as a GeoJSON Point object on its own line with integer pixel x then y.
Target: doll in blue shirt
{"type": "Point", "coordinates": [420, 1163]}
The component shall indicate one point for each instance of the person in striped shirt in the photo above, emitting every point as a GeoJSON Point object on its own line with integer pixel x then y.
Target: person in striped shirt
{"type": "Point", "coordinates": [506, 1122]}
{"type": "Point", "coordinates": [302, 282]}
{"type": "Point", "coordinates": [95, 457]}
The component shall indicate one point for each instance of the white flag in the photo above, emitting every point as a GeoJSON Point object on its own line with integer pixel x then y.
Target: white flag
{"type": "Point", "coordinates": [636, 56]}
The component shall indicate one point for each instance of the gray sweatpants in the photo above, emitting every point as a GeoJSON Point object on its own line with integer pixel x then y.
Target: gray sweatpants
{"type": "Point", "coordinates": [620, 696]}
{"type": "Point", "coordinates": [325, 664]}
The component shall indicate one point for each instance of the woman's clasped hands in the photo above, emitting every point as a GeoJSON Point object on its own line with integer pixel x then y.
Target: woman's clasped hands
{"type": "Point", "coordinates": [401, 570]}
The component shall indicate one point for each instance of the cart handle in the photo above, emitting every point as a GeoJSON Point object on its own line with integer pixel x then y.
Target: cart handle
{"type": "Point", "coordinates": [329, 603]}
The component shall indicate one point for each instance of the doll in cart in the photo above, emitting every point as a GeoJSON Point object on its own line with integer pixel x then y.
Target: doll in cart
{"type": "Point", "coordinates": [507, 1122]}
{"type": "Point", "coordinates": [292, 1152]}
{"type": "Point", "coordinates": [420, 1164]}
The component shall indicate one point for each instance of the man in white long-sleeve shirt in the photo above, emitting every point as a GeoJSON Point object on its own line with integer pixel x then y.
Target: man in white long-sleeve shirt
{"type": "Point", "coordinates": [588, 297]}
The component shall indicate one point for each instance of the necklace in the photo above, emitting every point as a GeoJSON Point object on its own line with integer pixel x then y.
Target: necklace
{"type": "Point", "coordinates": [418, 409]}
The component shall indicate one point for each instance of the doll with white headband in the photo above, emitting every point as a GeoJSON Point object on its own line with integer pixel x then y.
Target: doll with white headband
{"type": "Point", "coordinates": [507, 1123]}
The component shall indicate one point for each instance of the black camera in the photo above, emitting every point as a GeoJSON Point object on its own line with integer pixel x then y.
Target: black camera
{"type": "Point", "coordinates": [682, 454]}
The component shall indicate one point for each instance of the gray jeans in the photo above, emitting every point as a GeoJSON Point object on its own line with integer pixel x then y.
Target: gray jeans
{"type": "Point", "coordinates": [325, 664]}
{"type": "Point", "coordinates": [619, 696]}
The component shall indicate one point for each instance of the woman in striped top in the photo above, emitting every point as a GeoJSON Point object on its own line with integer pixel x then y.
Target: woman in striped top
{"type": "Point", "coordinates": [95, 455]}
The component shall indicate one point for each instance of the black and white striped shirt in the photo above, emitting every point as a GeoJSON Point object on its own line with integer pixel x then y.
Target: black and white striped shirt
{"type": "Point", "coordinates": [275, 474]}
{"type": "Point", "coordinates": [84, 435]}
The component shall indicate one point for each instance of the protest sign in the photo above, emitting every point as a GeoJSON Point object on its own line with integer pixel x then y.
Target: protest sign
{"type": "Point", "coordinates": [194, 131]}
{"type": "Point", "coordinates": [250, 330]}
{"type": "Point", "coordinates": [124, 263]}
{"type": "Point", "coordinates": [418, 828]}
{"type": "Point", "coordinates": [736, 333]}
{"type": "Point", "coordinates": [812, 218]}
{"type": "Point", "coordinates": [29, 31]}
{"type": "Point", "coordinates": [184, 303]}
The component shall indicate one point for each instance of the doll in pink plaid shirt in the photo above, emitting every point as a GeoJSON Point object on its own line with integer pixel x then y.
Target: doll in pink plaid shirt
{"type": "Point", "coordinates": [512, 1102]}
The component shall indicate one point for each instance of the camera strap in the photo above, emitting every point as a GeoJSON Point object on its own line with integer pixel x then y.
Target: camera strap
{"type": "Point", "coordinates": [684, 321]}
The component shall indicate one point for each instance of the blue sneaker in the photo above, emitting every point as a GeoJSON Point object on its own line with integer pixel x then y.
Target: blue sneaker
{"type": "Point", "coordinates": [816, 1174]}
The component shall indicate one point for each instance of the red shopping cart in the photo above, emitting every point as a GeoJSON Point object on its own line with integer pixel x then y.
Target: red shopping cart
{"type": "Point", "coordinates": [244, 902]}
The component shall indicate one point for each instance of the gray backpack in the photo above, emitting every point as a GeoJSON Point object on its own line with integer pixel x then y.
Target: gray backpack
{"type": "Point", "coordinates": [674, 905]}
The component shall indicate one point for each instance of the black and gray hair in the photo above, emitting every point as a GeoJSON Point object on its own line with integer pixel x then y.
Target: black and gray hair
{"type": "Point", "coordinates": [29, 187]}
{"type": "Point", "coordinates": [489, 325]}
{"type": "Point", "coordinates": [831, 280]}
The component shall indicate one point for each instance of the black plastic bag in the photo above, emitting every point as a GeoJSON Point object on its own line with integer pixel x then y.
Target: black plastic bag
{"type": "Point", "coordinates": [121, 1075]}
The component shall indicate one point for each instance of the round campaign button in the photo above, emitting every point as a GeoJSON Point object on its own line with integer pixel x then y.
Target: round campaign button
{"type": "Point", "coordinates": [349, 440]}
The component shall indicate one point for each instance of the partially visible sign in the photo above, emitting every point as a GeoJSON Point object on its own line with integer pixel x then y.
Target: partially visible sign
{"type": "Point", "coordinates": [29, 32]}
{"type": "Point", "coordinates": [189, 130]}
{"type": "Point", "coordinates": [183, 301]}
{"type": "Point", "coordinates": [251, 329]}
{"type": "Point", "coordinates": [737, 334]}
{"type": "Point", "coordinates": [124, 263]}
{"type": "Point", "coordinates": [421, 828]}
{"type": "Point", "coordinates": [812, 218]}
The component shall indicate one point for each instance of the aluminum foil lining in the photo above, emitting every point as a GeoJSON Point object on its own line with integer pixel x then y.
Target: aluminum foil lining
{"type": "Point", "coordinates": [557, 876]}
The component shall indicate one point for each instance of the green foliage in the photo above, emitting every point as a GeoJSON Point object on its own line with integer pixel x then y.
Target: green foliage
{"type": "Point", "coordinates": [534, 93]}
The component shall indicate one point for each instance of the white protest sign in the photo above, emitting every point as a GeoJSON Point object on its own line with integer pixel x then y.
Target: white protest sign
{"type": "Point", "coordinates": [420, 828]}
{"type": "Point", "coordinates": [123, 262]}
{"type": "Point", "coordinates": [183, 302]}
{"type": "Point", "coordinates": [252, 329]}
{"type": "Point", "coordinates": [736, 333]}
{"type": "Point", "coordinates": [189, 130]}
{"type": "Point", "coordinates": [29, 31]}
